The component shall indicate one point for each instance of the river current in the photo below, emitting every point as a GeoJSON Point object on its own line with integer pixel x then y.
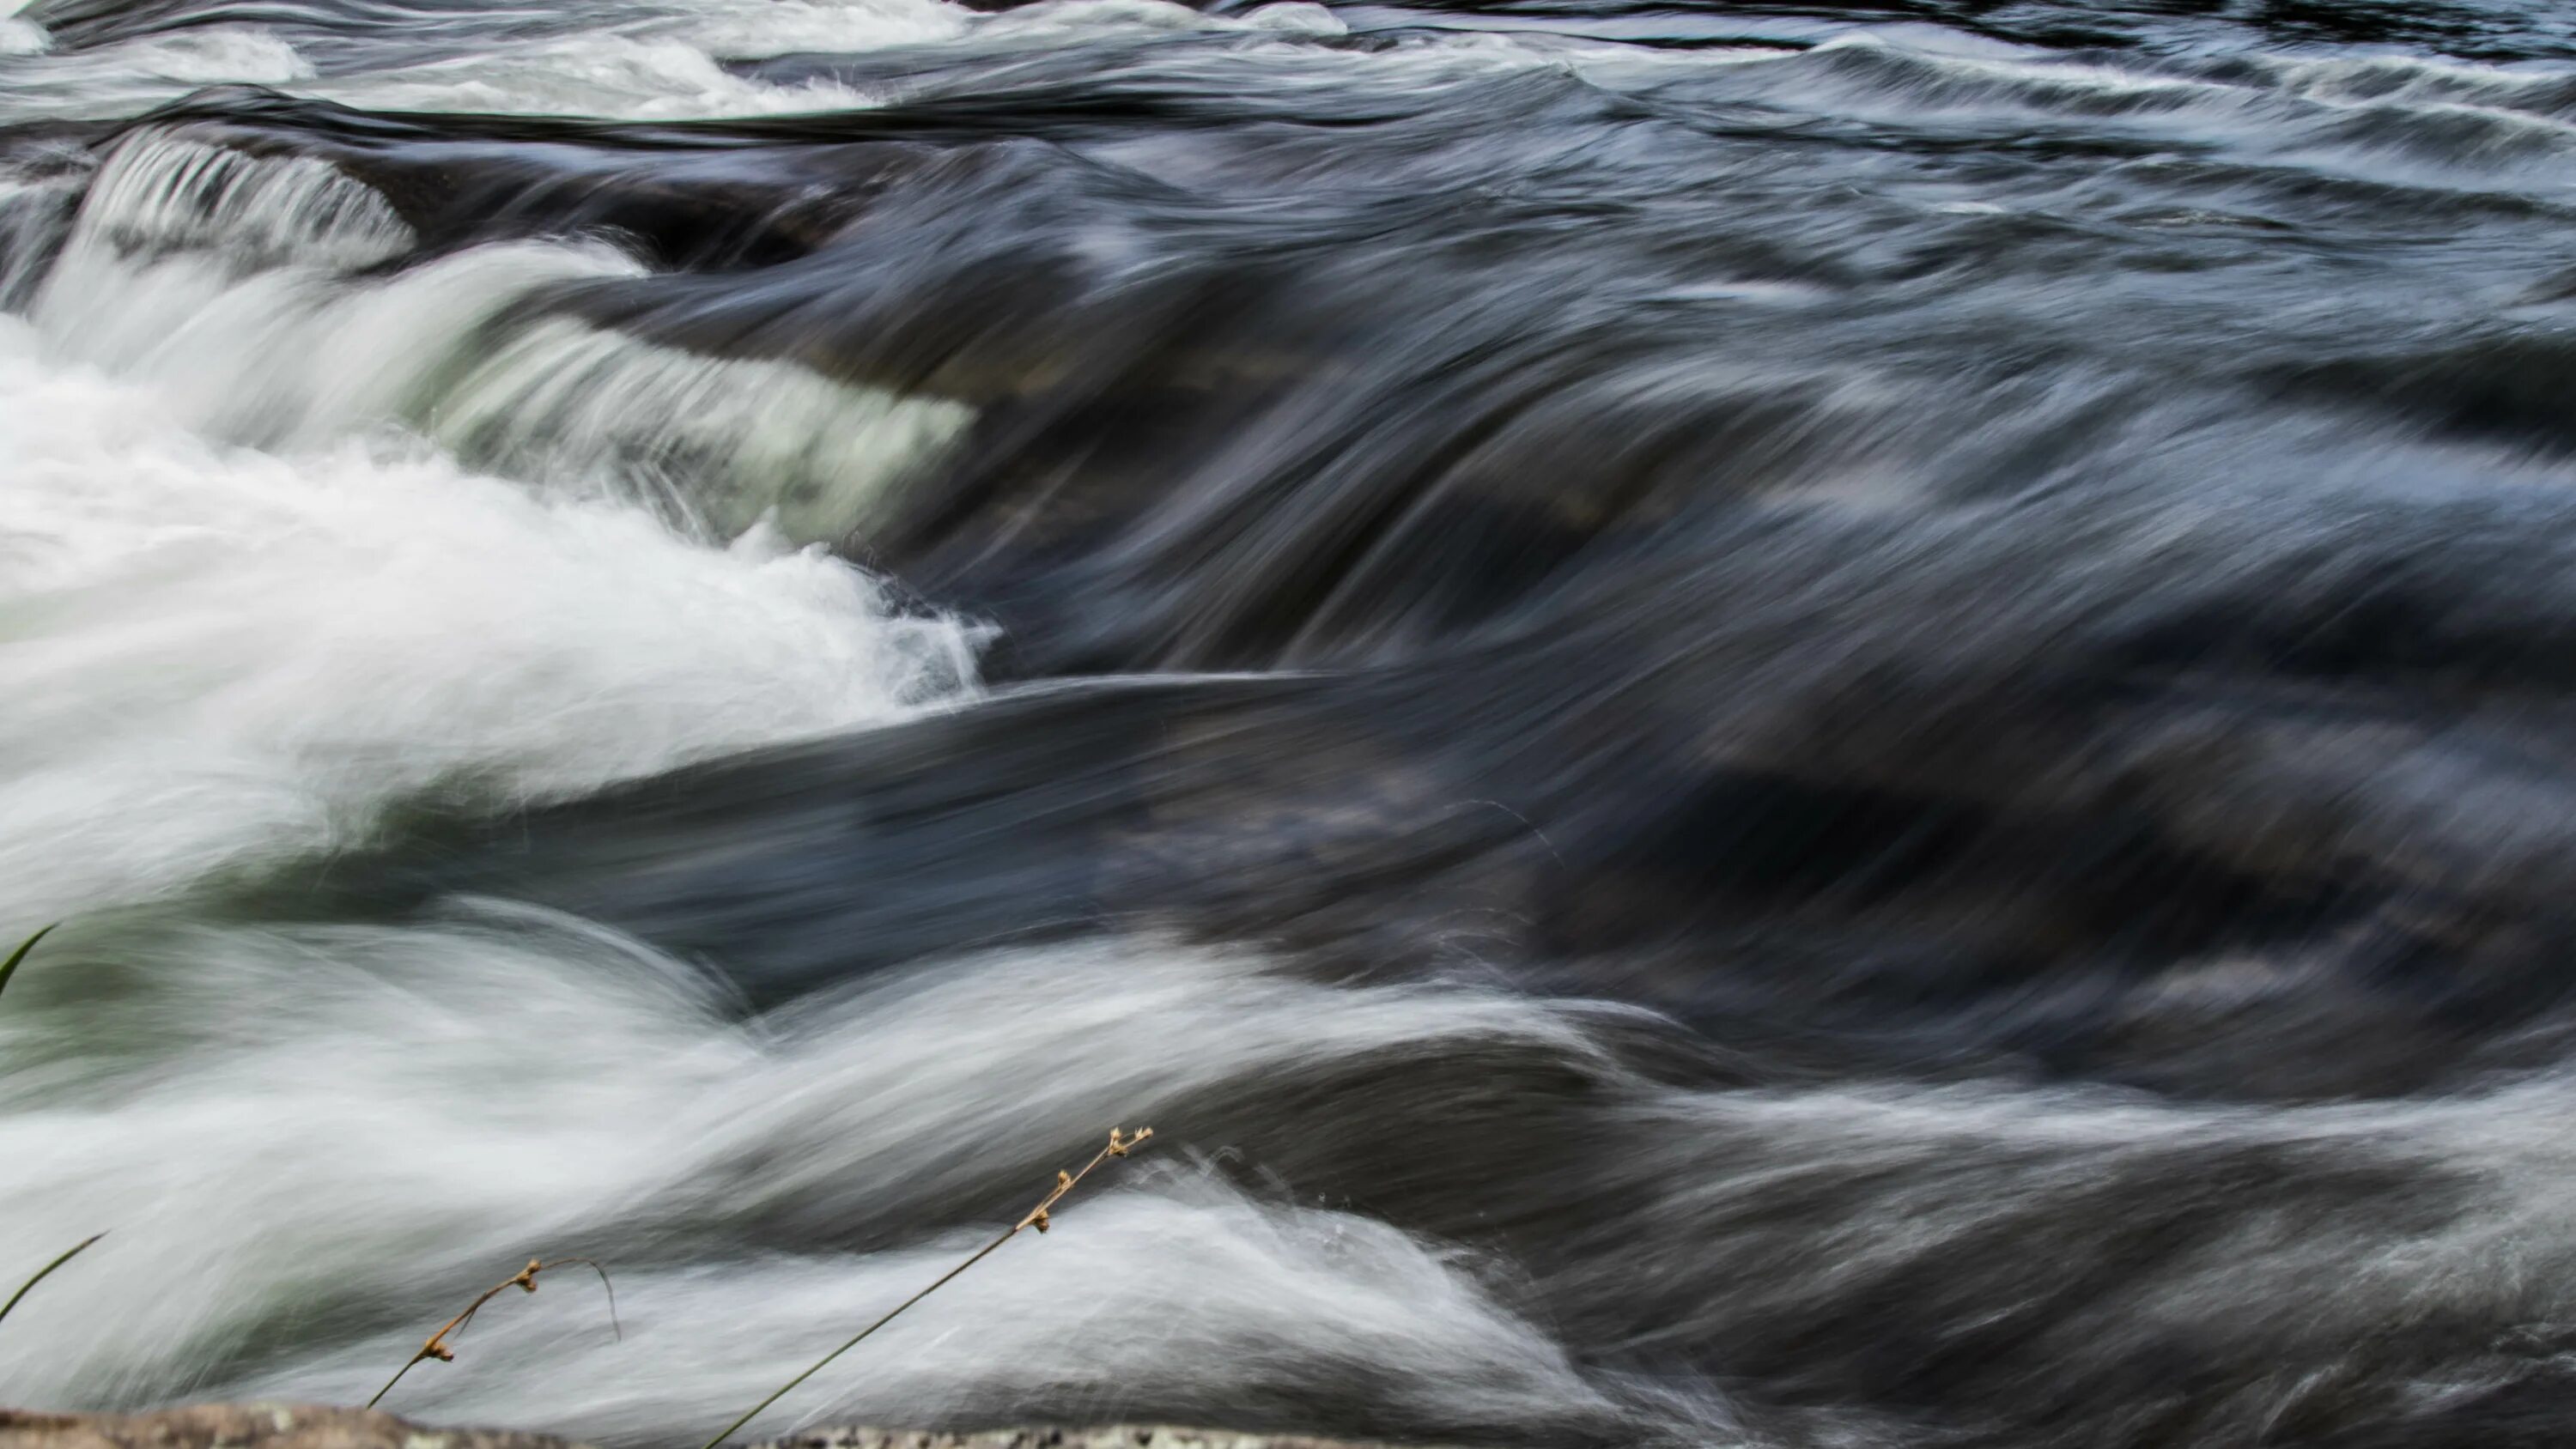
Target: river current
{"type": "Point", "coordinates": [1806, 725]}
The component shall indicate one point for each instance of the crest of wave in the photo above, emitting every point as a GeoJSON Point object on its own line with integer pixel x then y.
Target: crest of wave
{"type": "Point", "coordinates": [234, 284]}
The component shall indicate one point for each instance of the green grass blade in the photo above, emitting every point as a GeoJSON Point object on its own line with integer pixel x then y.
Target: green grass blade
{"type": "Point", "coordinates": [8, 969]}
{"type": "Point", "coordinates": [46, 1271]}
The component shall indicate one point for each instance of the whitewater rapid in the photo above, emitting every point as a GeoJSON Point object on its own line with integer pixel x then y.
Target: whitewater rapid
{"type": "Point", "coordinates": [291, 543]}
{"type": "Point", "coordinates": [1752, 726]}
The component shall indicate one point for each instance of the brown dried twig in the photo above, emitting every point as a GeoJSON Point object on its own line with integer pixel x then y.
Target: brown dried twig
{"type": "Point", "coordinates": [1119, 1146]}
{"type": "Point", "coordinates": [525, 1280]}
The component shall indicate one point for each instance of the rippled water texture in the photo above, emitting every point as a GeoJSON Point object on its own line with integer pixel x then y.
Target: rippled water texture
{"type": "Point", "coordinates": [1813, 725]}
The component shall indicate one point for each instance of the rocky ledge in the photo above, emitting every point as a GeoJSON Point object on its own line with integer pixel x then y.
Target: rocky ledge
{"type": "Point", "coordinates": [304, 1426]}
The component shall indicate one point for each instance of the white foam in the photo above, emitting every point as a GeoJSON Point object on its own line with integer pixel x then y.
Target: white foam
{"type": "Point", "coordinates": [215, 654]}
{"type": "Point", "coordinates": [2366, 79]}
{"type": "Point", "coordinates": [616, 76]}
{"type": "Point", "coordinates": [757, 28]}
{"type": "Point", "coordinates": [161, 191]}
{"type": "Point", "coordinates": [373, 1121]}
{"type": "Point", "coordinates": [658, 61]}
{"type": "Point", "coordinates": [639, 61]}
{"type": "Point", "coordinates": [132, 76]}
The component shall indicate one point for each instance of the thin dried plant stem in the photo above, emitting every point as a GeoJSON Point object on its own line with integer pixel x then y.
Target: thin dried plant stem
{"type": "Point", "coordinates": [525, 1280]}
{"type": "Point", "coordinates": [9, 967]}
{"type": "Point", "coordinates": [1065, 1182]}
{"type": "Point", "coordinates": [47, 1271]}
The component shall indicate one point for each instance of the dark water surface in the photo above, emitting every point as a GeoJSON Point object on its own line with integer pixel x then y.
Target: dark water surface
{"type": "Point", "coordinates": [1805, 725]}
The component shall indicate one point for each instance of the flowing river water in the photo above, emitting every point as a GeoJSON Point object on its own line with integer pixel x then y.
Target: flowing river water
{"type": "Point", "coordinates": [1846, 723]}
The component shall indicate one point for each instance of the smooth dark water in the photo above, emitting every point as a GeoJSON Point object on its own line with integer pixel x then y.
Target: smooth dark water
{"type": "Point", "coordinates": [1778, 724]}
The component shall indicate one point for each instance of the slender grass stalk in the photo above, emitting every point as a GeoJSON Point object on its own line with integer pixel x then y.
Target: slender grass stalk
{"type": "Point", "coordinates": [1119, 1144]}
{"type": "Point", "coordinates": [525, 1280]}
{"type": "Point", "coordinates": [47, 1271]}
{"type": "Point", "coordinates": [9, 967]}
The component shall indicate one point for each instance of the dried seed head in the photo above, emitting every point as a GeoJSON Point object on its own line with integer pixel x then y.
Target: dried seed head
{"type": "Point", "coordinates": [1065, 1182]}
{"type": "Point", "coordinates": [525, 1280]}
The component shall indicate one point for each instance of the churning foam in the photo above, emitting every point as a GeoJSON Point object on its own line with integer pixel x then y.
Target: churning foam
{"type": "Point", "coordinates": [337, 1123]}
{"type": "Point", "coordinates": [629, 60]}
{"type": "Point", "coordinates": [42, 83]}
{"type": "Point", "coordinates": [213, 653]}
{"type": "Point", "coordinates": [628, 77]}
{"type": "Point", "coordinates": [632, 59]}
